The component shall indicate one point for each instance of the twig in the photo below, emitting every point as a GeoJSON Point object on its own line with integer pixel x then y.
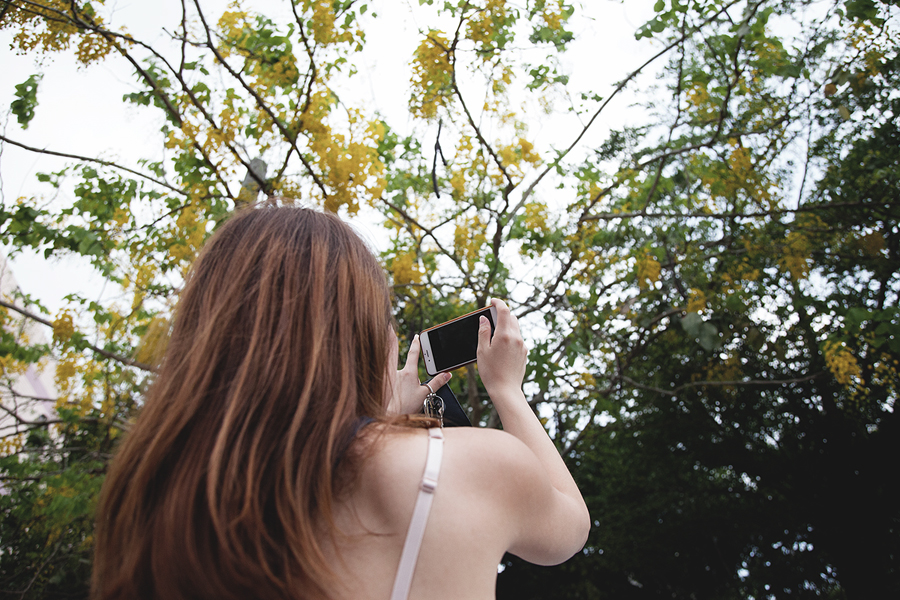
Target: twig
{"type": "Point", "coordinates": [752, 382]}
{"type": "Point", "coordinates": [728, 215]}
{"type": "Point", "coordinates": [106, 353]}
{"type": "Point", "coordinates": [98, 161]}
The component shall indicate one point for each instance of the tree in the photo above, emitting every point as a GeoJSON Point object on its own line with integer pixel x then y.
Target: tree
{"type": "Point", "coordinates": [751, 352]}
{"type": "Point", "coordinates": [710, 293]}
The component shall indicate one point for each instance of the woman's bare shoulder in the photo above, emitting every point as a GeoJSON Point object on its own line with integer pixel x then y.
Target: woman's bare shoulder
{"type": "Point", "coordinates": [483, 450]}
{"type": "Point", "coordinates": [472, 456]}
{"type": "Point", "coordinates": [494, 460]}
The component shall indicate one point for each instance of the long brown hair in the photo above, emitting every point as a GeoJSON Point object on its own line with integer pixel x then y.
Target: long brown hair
{"type": "Point", "coordinates": [278, 349]}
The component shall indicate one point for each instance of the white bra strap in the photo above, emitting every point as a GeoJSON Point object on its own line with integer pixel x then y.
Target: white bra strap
{"type": "Point", "coordinates": [419, 519]}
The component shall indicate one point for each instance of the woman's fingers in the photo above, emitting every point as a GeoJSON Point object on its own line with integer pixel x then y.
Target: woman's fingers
{"type": "Point", "coordinates": [506, 321]}
{"type": "Point", "coordinates": [501, 357]}
{"type": "Point", "coordinates": [436, 382]}
{"type": "Point", "coordinates": [409, 393]}
{"type": "Point", "coordinates": [484, 333]}
{"type": "Point", "coordinates": [412, 357]}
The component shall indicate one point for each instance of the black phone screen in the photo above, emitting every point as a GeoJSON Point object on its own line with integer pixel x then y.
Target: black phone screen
{"type": "Point", "coordinates": [456, 342]}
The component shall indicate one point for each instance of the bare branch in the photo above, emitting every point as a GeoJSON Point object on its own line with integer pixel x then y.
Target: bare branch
{"type": "Point", "coordinates": [98, 161]}
{"type": "Point", "coordinates": [105, 353]}
{"type": "Point", "coordinates": [729, 215]}
{"type": "Point", "coordinates": [748, 382]}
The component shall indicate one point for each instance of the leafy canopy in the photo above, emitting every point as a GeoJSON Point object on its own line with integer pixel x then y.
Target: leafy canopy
{"type": "Point", "coordinates": [709, 290]}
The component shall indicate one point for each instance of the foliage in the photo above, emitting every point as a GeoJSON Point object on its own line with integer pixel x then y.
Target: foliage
{"type": "Point", "coordinates": [710, 295]}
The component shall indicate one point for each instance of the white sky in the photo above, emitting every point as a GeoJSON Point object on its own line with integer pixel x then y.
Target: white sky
{"type": "Point", "coordinates": [81, 111]}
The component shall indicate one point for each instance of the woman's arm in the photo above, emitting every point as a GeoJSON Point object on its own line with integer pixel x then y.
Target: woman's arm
{"type": "Point", "coordinates": [555, 520]}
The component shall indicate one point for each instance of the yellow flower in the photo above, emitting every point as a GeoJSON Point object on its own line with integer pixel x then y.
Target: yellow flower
{"type": "Point", "coordinates": [405, 269]}
{"type": "Point", "coordinates": [696, 301]}
{"type": "Point", "coordinates": [648, 270]}
{"type": "Point", "coordinates": [432, 76]}
{"type": "Point", "coordinates": [63, 327]}
{"type": "Point", "coordinates": [841, 363]}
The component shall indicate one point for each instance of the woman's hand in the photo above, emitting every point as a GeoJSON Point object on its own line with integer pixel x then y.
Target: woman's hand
{"type": "Point", "coordinates": [501, 359]}
{"type": "Point", "coordinates": [407, 394]}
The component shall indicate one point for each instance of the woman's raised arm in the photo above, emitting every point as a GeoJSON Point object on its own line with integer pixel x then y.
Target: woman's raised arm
{"type": "Point", "coordinates": [554, 519]}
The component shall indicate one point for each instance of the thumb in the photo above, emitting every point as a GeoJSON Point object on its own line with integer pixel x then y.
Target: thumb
{"type": "Point", "coordinates": [484, 333]}
{"type": "Point", "coordinates": [412, 357]}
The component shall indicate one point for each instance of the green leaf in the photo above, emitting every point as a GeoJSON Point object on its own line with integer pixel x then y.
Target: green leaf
{"type": "Point", "coordinates": [856, 316]}
{"type": "Point", "coordinates": [863, 10]}
{"type": "Point", "coordinates": [709, 337]}
{"type": "Point", "coordinates": [691, 324]}
{"type": "Point", "coordinates": [26, 100]}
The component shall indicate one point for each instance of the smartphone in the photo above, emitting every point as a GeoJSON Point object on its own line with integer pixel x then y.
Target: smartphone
{"type": "Point", "coordinates": [453, 344]}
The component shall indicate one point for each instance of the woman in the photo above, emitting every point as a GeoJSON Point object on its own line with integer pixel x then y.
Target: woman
{"type": "Point", "coordinates": [275, 458]}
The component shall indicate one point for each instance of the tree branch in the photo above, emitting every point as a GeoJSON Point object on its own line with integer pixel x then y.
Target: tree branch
{"type": "Point", "coordinates": [98, 161]}
{"type": "Point", "coordinates": [105, 353]}
{"type": "Point", "coordinates": [730, 215]}
{"type": "Point", "coordinates": [751, 382]}
{"type": "Point", "coordinates": [290, 136]}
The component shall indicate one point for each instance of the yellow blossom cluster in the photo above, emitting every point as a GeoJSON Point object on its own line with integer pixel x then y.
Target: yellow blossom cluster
{"type": "Point", "coordinates": [795, 255]}
{"type": "Point", "coordinates": [51, 26]}
{"type": "Point", "coordinates": [468, 238]}
{"type": "Point", "coordinates": [841, 362]}
{"type": "Point", "coordinates": [743, 270]}
{"type": "Point", "coordinates": [735, 177]}
{"type": "Point", "coordinates": [728, 369]}
{"type": "Point", "coordinates": [322, 20]}
{"type": "Point", "coordinates": [66, 374]}
{"type": "Point", "coordinates": [468, 164]}
{"type": "Point", "coordinates": [553, 14]}
{"type": "Point", "coordinates": [349, 164]}
{"type": "Point", "coordinates": [535, 217]}
{"type": "Point", "coordinates": [153, 344]}
{"type": "Point", "coordinates": [705, 110]}
{"type": "Point", "coordinates": [586, 381]}
{"type": "Point", "coordinates": [86, 386]}
{"type": "Point", "coordinates": [139, 280]}
{"type": "Point", "coordinates": [405, 268]}
{"type": "Point", "coordinates": [121, 216]}
{"type": "Point", "coordinates": [485, 25]}
{"type": "Point", "coordinates": [63, 327]}
{"type": "Point", "coordinates": [12, 444]}
{"type": "Point", "coordinates": [432, 76]}
{"type": "Point", "coordinates": [647, 269]}
{"type": "Point", "coordinates": [873, 46]}
{"type": "Point", "coordinates": [514, 155]}
{"type": "Point", "coordinates": [499, 85]}
{"type": "Point", "coordinates": [871, 244]}
{"type": "Point", "coordinates": [458, 183]}
{"type": "Point", "coordinates": [219, 138]}
{"type": "Point", "coordinates": [186, 237]}
{"type": "Point", "coordinates": [276, 67]}
{"type": "Point", "coordinates": [885, 373]}
{"type": "Point", "coordinates": [8, 364]}
{"type": "Point", "coordinates": [696, 301]}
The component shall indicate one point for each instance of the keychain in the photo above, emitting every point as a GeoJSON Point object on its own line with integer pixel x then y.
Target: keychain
{"type": "Point", "coordinates": [434, 405]}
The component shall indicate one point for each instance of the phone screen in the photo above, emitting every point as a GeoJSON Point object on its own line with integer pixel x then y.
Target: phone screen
{"type": "Point", "coordinates": [456, 343]}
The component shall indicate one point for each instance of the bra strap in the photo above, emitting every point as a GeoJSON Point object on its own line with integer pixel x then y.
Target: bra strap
{"type": "Point", "coordinates": [416, 531]}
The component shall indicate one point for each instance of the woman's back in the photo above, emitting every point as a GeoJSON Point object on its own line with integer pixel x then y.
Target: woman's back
{"type": "Point", "coordinates": [458, 557]}
{"type": "Point", "coordinates": [483, 490]}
